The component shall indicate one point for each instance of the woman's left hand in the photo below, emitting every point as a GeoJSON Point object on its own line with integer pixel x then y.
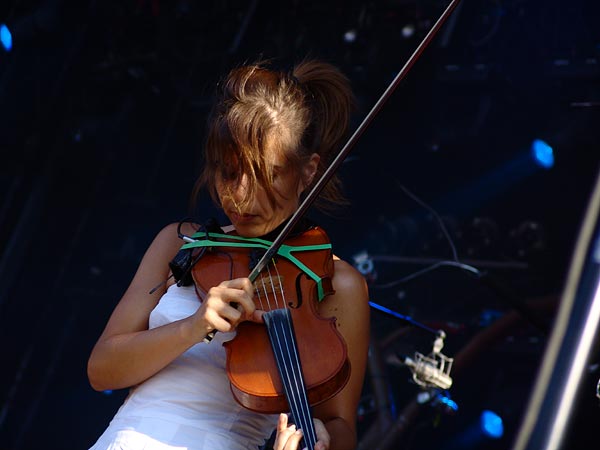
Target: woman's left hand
{"type": "Point", "coordinates": [288, 437]}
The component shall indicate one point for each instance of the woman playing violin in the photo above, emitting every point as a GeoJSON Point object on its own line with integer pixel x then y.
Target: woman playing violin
{"type": "Point", "coordinates": [269, 138]}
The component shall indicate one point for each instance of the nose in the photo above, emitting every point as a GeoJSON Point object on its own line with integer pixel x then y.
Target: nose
{"type": "Point", "coordinates": [239, 189]}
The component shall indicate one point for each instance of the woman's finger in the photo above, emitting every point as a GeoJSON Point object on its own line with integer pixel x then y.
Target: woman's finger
{"type": "Point", "coordinates": [287, 437]}
{"type": "Point", "coordinates": [323, 438]}
{"type": "Point", "coordinates": [240, 291]}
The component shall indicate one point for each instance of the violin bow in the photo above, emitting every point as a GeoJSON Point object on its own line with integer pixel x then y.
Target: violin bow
{"type": "Point", "coordinates": [339, 159]}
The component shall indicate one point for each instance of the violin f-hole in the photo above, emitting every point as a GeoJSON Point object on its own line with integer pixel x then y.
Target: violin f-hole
{"type": "Point", "coordinates": [299, 299]}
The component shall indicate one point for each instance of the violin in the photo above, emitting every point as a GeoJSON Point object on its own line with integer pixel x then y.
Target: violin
{"type": "Point", "coordinates": [296, 359]}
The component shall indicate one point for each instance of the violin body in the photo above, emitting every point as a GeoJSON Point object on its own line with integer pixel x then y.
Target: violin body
{"type": "Point", "coordinates": [252, 368]}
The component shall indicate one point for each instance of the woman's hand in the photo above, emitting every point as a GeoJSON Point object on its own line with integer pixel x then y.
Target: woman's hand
{"type": "Point", "coordinates": [226, 305]}
{"type": "Point", "coordinates": [288, 437]}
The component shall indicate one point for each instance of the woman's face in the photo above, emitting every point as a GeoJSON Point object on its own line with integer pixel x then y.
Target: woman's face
{"type": "Point", "coordinates": [258, 217]}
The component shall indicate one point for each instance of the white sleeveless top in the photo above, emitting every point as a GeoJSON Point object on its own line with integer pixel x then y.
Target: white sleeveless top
{"type": "Point", "coordinates": [188, 404]}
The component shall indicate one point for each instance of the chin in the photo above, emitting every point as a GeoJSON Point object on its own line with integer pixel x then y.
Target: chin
{"type": "Point", "coordinates": [249, 230]}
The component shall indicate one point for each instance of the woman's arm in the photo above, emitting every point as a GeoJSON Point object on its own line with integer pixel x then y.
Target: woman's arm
{"type": "Point", "coordinates": [350, 305]}
{"type": "Point", "coordinates": [127, 352]}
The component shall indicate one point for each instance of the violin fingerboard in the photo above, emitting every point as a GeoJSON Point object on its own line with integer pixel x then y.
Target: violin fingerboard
{"type": "Point", "coordinates": [283, 341]}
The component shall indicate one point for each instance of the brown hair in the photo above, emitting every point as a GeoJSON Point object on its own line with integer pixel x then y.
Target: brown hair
{"type": "Point", "coordinates": [301, 112]}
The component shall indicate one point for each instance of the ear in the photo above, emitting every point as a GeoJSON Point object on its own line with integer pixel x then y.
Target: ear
{"type": "Point", "coordinates": [309, 170]}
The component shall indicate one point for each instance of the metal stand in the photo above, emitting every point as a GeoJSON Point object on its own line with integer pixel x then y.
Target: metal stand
{"type": "Point", "coordinates": [558, 383]}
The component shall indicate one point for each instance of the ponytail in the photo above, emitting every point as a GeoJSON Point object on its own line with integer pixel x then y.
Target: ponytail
{"type": "Point", "coordinates": [331, 102]}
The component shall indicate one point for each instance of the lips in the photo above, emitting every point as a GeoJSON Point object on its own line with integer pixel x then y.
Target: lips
{"type": "Point", "coordinates": [241, 218]}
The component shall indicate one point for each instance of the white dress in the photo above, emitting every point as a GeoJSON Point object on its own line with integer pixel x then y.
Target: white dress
{"type": "Point", "coordinates": [188, 404]}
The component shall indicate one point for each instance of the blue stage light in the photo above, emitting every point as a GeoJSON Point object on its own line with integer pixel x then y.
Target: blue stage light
{"type": "Point", "coordinates": [542, 153]}
{"type": "Point", "coordinates": [5, 37]}
{"type": "Point", "coordinates": [491, 424]}
{"type": "Point", "coordinates": [448, 403]}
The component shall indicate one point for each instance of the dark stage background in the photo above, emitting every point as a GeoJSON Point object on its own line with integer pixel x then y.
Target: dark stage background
{"type": "Point", "coordinates": [101, 124]}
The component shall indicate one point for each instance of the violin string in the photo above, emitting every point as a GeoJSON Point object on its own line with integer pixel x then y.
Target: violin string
{"type": "Point", "coordinates": [283, 305]}
{"type": "Point", "coordinates": [288, 370]}
{"type": "Point", "coordinates": [306, 416]}
{"type": "Point", "coordinates": [286, 352]}
{"type": "Point", "coordinates": [272, 286]}
{"type": "Point", "coordinates": [283, 339]}
{"type": "Point", "coordinates": [294, 359]}
{"type": "Point", "coordinates": [257, 291]}
{"type": "Point", "coordinates": [291, 373]}
{"type": "Point", "coordinates": [279, 345]}
{"type": "Point", "coordinates": [303, 414]}
{"type": "Point", "coordinates": [267, 299]}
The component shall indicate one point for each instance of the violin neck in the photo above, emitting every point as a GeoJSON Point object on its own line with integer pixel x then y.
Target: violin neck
{"type": "Point", "coordinates": [283, 341]}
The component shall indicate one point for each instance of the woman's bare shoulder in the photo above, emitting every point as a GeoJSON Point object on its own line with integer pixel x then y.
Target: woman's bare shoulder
{"type": "Point", "coordinates": [350, 295]}
{"type": "Point", "coordinates": [171, 236]}
{"type": "Point", "coordinates": [348, 278]}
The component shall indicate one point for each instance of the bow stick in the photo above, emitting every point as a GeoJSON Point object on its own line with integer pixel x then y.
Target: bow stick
{"type": "Point", "coordinates": [339, 159]}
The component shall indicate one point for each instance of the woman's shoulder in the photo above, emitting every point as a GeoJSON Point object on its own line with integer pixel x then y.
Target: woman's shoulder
{"type": "Point", "coordinates": [167, 242]}
{"type": "Point", "coordinates": [164, 247]}
{"type": "Point", "coordinates": [172, 234]}
{"type": "Point", "coordinates": [349, 302]}
{"type": "Point", "coordinates": [347, 273]}
{"type": "Point", "coordinates": [348, 281]}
